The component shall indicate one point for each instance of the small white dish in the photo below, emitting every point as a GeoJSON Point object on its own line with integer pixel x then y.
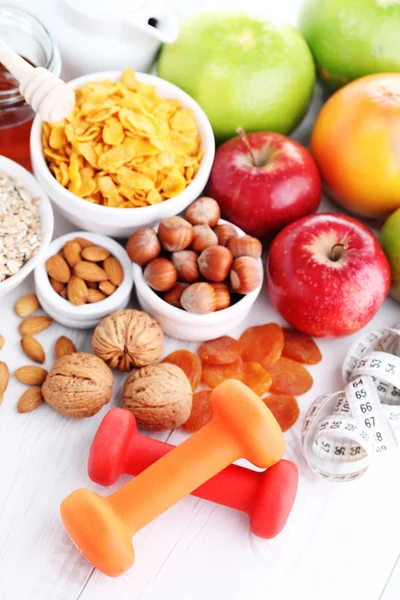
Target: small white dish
{"type": "Point", "coordinates": [121, 222]}
{"type": "Point", "coordinates": [87, 315]}
{"type": "Point", "coordinates": [46, 219]}
{"type": "Point", "coordinates": [183, 325]}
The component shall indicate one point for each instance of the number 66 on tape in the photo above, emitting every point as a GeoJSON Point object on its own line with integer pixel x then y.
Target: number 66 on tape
{"type": "Point", "coordinates": [342, 432]}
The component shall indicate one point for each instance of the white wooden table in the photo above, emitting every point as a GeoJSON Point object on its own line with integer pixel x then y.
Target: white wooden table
{"type": "Point", "coordinates": [341, 542]}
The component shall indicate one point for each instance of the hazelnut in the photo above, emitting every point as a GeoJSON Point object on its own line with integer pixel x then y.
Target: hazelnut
{"type": "Point", "coordinates": [203, 237]}
{"type": "Point", "coordinates": [246, 245]}
{"type": "Point", "coordinates": [185, 262]}
{"type": "Point", "coordinates": [160, 274]}
{"type": "Point", "coordinates": [225, 233]}
{"type": "Point", "coordinates": [175, 233]}
{"type": "Point", "coordinates": [199, 298]}
{"type": "Point", "coordinates": [143, 246]}
{"type": "Point", "coordinates": [245, 274]}
{"type": "Point", "coordinates": [174, 296]}
{"type": "Point", "coordinates": [160, 396]}
{"type": "Point", "coordinates": [223, 295]}
{"type": "Point", "coordinates": [204, 211]}
{"type": "Point", "coordinates": [215, 262]}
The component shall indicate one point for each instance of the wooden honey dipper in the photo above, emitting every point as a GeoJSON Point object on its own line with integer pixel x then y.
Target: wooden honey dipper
{"type": "Point", "coordinates": [48, 95]}
{"type": "Point", "coordinates": [242, 427]}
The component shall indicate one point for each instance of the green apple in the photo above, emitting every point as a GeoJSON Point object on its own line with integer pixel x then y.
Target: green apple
{"type": "Point", "coordinates": [352, 38]}
{"type": "Point", "coordinates": [242, 70]}
{"type": "Point", "coordinates": [390, 242]}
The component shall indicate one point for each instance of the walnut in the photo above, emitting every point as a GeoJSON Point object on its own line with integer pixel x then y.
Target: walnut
{"type": "Point", "coordinates": [128, 338]}
{"type": "Point", "coordinates": [159, 396]}
{"type": "Point", "coordinates": [78, 385]}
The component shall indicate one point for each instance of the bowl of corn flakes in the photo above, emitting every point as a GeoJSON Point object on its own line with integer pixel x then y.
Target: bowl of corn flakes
{"type": "Point", "coordinates": [134, 150]}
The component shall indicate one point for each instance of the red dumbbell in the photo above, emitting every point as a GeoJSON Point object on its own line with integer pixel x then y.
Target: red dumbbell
{"type": "Point", "coordinates": [267, 496]}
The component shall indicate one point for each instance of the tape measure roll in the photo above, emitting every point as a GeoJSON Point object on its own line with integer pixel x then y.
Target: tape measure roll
{"type": "Point", "coordinates": [344, 431]}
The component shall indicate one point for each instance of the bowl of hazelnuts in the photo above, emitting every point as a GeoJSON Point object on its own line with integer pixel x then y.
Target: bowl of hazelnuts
{"type": "Point", "coordinates": [198, 275]}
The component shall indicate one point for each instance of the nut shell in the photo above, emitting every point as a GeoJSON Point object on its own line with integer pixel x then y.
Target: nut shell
{"type": "Point", "coordinates": [160, 274]}
{"type": "Point", "coordinates": [245, 245]}
{"type": "Point", "coordinates": [203, 237]}
{"type": "Point", "coordinates": [245, 275]}
{"type": "Point", "coordinates": [174, 296]}
{"type": "Point", "coordinates": [199, 298]}
{"type": "Point", "coordinates": [223, 295]}
{"type": "Point", "coordinates": [225, 233]}
{"type": "Point", "coordinates": [185, 262]}
{"type": "Point", "coordinates": [143, 246]}
{"type": "Point", "coordinates": [175, 233]}
{"type": "Point", "coordinates": [159, 396]}
{"type": "Point", "coordinates": [78, 385]}
{"type": "Point", "coordinates": [204, 211]}
{"type": "Point", "coordinates": [128, 338]}
{"type": "Point", "coordinates": [215, 262]}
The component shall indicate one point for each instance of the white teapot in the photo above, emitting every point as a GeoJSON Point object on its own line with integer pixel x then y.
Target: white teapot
{"type": "Point", "coordinates": [106, 35]}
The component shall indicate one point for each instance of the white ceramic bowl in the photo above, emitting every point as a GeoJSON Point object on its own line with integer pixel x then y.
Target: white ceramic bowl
{"type": "Point", "coordinates": [87, 315]}
{"type": "Point", "coordinates": [121, 222]}
{"type": "Point", "coordinates": [46, 219]}
{"type": "Point", "coordinates": [183, 325]}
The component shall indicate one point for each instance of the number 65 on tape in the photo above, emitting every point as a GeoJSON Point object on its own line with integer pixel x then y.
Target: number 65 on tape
{"type": "Point", "coordinates": [343, 432]}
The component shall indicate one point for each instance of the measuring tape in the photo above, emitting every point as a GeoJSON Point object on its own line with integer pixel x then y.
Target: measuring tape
{"type": "Point", "coordinates": [343, 432]}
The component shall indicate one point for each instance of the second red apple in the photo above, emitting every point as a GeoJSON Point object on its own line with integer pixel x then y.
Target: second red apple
{"type": "Point", "coordinates": [264, 181]}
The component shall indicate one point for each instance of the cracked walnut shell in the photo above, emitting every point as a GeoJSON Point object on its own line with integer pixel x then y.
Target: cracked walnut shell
{"type": "Point", "coordinates": [78, 385]}
{"type": "Point", "coordinates": [128, 338]}
{"type": "Point", "coordinates": [160, 396]}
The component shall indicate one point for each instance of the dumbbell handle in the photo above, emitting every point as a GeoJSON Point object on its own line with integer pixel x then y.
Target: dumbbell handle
{"type": "Point", "coordinates": [235, 486]}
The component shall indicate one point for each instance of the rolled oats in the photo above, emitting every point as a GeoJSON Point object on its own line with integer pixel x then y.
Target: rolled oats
{"type": "Point", "coordinates": [20, 232]}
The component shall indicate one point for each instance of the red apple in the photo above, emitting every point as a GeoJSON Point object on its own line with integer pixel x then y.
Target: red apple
{"type": "Point", "coordinates": [264, 181]}
{"type": "Point", "coordinates": [327, 275]}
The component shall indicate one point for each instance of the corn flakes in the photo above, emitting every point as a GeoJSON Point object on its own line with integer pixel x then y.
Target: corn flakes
{"type": "Point", "coordinates": [123, 145]}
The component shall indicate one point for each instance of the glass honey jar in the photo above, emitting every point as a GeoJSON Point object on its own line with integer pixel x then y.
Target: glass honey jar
{"type": "Point", "coordinates": [29, 38]}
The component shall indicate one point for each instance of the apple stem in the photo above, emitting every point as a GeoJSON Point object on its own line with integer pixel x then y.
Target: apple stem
{"type": "Point", "coordinates": [337, 251]}
{"type": "Point", "coordinates": [243, 136]}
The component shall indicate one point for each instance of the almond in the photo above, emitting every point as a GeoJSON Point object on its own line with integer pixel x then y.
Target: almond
{"type": "Point", "coordinates": [77, 291]}
{"type": "Point", "coordinates": [64, 346]}
{"type": "Point", "coordinates": [57, 286]}
{"type": "Point", "coordinates": [92, 285]}
{"type": "Point", "coordinates": [58, 268]}
{"type": "Point", "coordinates": [107, 287]}
{"type": "Point", "coordinates": [72, 253]}
{"type": "Point", "coordinates": [2, 341]}
{"type": "Point", "coordinates": [30, 400]}
{"type": "Point", "coordinates": [89, 271]}
{"type": "Point", "coordinates": [114, 270]}
{"type": "Point", "coordinates": [31, 375]}
{"type": "Point", "coordinates": [26, 305]}
{"type": "Point", "coordinates": [33, 325]}
{"type": "Point", "coordinates": [95, 296]}
{"type": "Point", "coordinates": [4, 378]}
{"type": "Point", "coordinates": [33, 349]}
{"type": "Point", "coordinates": [83, 242]}
{"type": "Point", "coordinates": [95, 253]}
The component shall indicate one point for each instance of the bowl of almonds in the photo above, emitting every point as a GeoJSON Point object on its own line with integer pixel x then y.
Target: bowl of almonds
{"type": "Point", "coordinates": [26, 224]}
{"type": "Point", "coordinates": [82, 277]}
{"type": "Point", "coordinates": [197, 275]}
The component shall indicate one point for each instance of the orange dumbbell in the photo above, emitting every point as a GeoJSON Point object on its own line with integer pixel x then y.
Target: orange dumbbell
{"type": "Point", "coordinates": [241, 427]}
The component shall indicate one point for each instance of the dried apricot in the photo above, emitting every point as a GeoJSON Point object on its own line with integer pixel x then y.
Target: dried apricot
{"type": "Point", "coordinates": [262, 344]}
{"type": "Point", "coordinates": [222, 351]}
{"type": "Point", "coordinates": [189, 363]}
{"type": "Point", "coordinates": [201, 411]}
{"type": "Point", "coordinates": [289, 377]}
{"type": "Point", "coordinates": [213, 375]}
{"type": "Point", "coordinates": [284, 408]}
{"type": "Point", "coordinates": [256, 377]}
{"type": "Point", "coordinates": [300, 346]}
